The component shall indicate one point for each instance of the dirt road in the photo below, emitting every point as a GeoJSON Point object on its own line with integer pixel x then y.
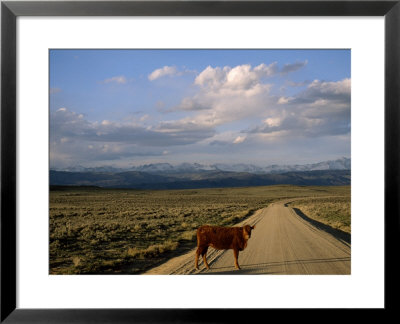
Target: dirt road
{"type": "Point", "coordinates": [284, 242]}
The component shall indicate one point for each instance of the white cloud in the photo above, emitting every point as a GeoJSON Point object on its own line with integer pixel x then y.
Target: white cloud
{"type": "Point", "coordinates": [105, 122]}
{"type": "Point", "coordinates": [191, 104]}
{"type": "Point", "coordinates": [292, 67]}
{"type": "Point", "coordinates": [322, 109]}
{"type": "Point", "coordinates": [66, 124]}
{"type": "Point", "coordinates": [144, 118]}
{"type": "Point", "coordinates": [228, 94]}
{"type": "Point", "coordinates": [164, 71]}
{"type": "Point", "coordinates": [73, 138]}
{"type": "Point", "coordinates": [241, 77]}
{"type": "Point", "coordinates": [283, 100]}
{"type": "Point", "coordinates": [273, 122]}
{"type": "Point", "coordinates": [116, 79]}
{"type": "Point", "coordinates": [226, 139]}
{"type": "Point", "coordinates": [267, 70]}
{"type": "Point", "coordinates": [239, 139]}
{"type": "Point", "coordinates": [234, 95]}
{"type": "Point", "coordinates": [342, 87]}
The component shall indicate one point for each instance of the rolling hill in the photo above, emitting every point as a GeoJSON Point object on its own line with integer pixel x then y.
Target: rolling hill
{"type": "Point", "coordinates": [199, 179]}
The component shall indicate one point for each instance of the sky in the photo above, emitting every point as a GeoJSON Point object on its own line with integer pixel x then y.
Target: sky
{"type": "Point", "coordinates": [125, 108]}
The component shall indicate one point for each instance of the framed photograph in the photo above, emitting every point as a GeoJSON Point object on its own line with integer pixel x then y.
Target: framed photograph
{"type": "Point", "coordinates": [244, 154]}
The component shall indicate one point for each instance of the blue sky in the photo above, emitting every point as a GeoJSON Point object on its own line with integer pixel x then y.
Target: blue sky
{"type": "Point", "coordinates": [130, 107]}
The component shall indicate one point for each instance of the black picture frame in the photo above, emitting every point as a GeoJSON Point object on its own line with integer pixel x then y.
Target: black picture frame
{"type": "Point", "coordinates": [10, 10]}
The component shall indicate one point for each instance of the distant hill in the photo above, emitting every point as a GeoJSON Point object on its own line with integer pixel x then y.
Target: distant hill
{"type": "Point", "coordinates": [197, 179]}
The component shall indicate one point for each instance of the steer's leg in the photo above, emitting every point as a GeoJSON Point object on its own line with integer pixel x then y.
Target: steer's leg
{"type": "Point", "coordinates": [204, 254]}
{"type": "Point", "coordinates": [196, 262]}
{"type": "Point", "coordinates": [236, 255]}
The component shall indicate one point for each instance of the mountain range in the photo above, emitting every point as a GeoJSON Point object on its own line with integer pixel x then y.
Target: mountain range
{"type": "Point", "coordinates": [187, 176]}
{"type": "Point", "coordinates": [167, 168]}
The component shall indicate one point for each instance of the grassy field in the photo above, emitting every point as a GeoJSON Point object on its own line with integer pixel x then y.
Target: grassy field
{"type": "Point", "coordinates": [99, 231]}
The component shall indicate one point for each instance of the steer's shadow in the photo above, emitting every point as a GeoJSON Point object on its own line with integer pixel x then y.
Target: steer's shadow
{"type": "Point", "coordinates": [265, 268]}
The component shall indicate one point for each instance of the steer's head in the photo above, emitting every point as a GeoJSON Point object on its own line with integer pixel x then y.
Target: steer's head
{"type": "Point", "coordinates": [247, 231]}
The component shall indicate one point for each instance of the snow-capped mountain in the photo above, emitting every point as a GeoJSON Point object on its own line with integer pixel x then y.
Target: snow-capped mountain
{"type": "Point", "coordinates": [167, 168]}
{"type": "Point", "coordinates": [339, 164]}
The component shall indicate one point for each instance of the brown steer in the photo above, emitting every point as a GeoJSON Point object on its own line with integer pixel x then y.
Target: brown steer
{"type": "Point", "coordinates": [221, 238]}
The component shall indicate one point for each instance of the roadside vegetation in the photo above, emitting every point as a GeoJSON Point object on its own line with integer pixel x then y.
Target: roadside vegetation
{"type": "Point", "coordinates": [332, 211]}
{"type": "Point", "coordinates": [111, 231]}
